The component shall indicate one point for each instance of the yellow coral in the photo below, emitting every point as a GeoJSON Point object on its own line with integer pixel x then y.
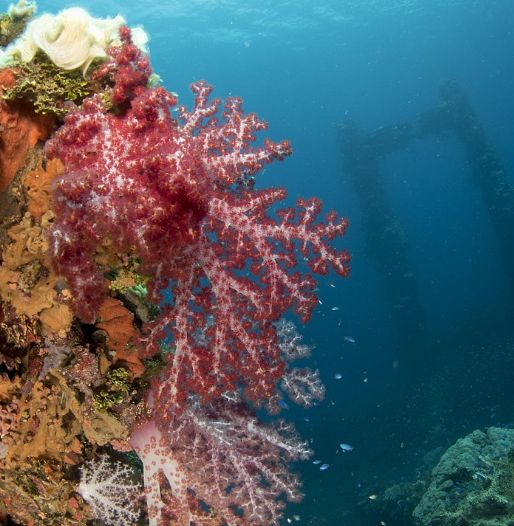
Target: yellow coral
{"type": "Point", "coordinates": [25, 282]}
{"type": "Point", "coordinates": [26, 279]}
{"type": "Point", "coordinates": [28, 243]}
{"type": "Point", "coordinates": [37, 185]}
{"type": "Point", "coordinates": [41, 297]}
{"type": "Point", "coordinates": [44, 427]}
{"type": "Point", "coordinates": [20, 282]}
{"type": "Point", "coordinates": [55, 319]}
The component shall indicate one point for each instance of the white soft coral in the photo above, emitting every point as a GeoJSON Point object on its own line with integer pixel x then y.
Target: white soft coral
{"type": "Point", "coordinates": [71, 39]}
{"type": "Point", "coordinates": [108, 489]}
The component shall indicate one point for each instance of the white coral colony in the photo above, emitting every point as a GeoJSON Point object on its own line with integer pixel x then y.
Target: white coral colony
{"type": "Point", "coordinates": [71, 39]}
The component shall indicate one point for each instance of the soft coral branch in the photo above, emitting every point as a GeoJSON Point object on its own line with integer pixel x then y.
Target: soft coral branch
{"type": "Point", "coordinates": [219, 454]}
{"type": "Point", "coordinates": [239, 343]}
{"type": "Point", "coordinates": [227, 143]}
{"type": "Point", "coordinates": [107, 487]}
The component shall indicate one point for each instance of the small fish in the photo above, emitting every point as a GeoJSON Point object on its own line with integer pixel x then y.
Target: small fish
{"type": "Point", "coordinates": [296, 517]}
{"type": "Point", "coordinates": [282, 404]}
{"type": "Point", "coordinates": [338, 376]}
{"type": "Point", "coordinates": [349, 339]}
{"type": "Point", "coordinates": [335, 308]}
{"type": "Point", "coordinates": [373, 497]}
{"type": "Point", "coordinates": [323, 467]}
{"type": "Point", "coordinates": [332, 285]}
{"type": "Point", "coordinates": [316, 462]}
{"type": "Point", "coordinates": [289, 520]}
{"type": "Point", "coordinates": [346, 447]}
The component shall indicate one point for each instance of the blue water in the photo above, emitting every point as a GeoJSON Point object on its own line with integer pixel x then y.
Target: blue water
{"type": "Point", "coordinates": [306, 66]}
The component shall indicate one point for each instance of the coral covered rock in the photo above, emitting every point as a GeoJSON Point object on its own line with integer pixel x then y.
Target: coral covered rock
{"type": "Point", "coordinates": [48, 87]}
{"type": "Point", "coordinates": [472, 483]}
{"type": "Point", "coordinates": [21, 128]}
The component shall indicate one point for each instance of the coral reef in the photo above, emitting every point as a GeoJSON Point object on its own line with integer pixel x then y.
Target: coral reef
{"type": "Point", "coordinates": [27, 282]}
{"type": "Point", "coordinates": [144, 351]}
{"type": "Point", "coordinates": [107, 488]}
{"type": "Point", "coordinates": [473, 483]}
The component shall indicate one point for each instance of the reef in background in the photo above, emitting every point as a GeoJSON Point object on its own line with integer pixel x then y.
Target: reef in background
{"type": "Point", "coordinates": [473, 483]}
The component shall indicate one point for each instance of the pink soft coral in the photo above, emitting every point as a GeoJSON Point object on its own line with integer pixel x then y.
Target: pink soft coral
{"type": "Point", "coordinates": [221, 456]}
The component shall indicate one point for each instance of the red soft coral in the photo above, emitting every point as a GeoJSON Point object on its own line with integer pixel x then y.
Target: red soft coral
{"type": "Point", "coordinates": [178, 193]}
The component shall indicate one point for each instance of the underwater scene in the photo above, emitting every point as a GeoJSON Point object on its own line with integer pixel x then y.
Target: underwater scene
{"type": "Point", "coordinates": [257, 263]}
